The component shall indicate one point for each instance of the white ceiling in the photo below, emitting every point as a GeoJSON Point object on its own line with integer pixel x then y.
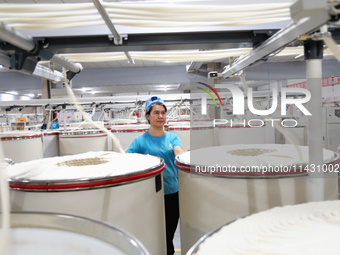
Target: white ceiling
{"type": "Point", "coordinates": [127, 88]}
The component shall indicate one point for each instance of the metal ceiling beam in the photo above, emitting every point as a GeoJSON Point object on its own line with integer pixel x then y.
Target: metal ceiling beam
{"type": "Point", "coordinates": [57, 59]}
{"type": "Point", "coordinates": [335, 34]}
{"type": "Point", "coordinates": [281, 39]}
{"type": "Point", "coordinates": [5, 59]}
{"type": "Point", "coordinates": [106, 18]}
{"type": "Point", "coordinates": [150, 42]}
{"type": "Point", "coordinates": [194, 66]}
{"type": "Point", "coordinates": [30, 51]}
{"type": "Point", "coordinates": [131, 61]}
{"type": "Point", "coordinates": [125, 99]}
{"type": "Point", "coordinates": [97, 100]}
{"type": "Point", "coordinates": [13, 37]}
{"type": "Point", "coordinates": [39, 70]}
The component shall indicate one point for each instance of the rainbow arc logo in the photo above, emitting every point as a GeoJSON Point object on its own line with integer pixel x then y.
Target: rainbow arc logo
{"type": "Point", "coordinates": [207, 91]}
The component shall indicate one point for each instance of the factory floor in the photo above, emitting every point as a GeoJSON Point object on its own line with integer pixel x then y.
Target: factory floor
{"type": "Point", "coordinates": [177, 241]}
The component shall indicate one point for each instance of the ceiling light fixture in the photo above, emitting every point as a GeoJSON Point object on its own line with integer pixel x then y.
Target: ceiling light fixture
{"type": "Point", "coordinates": [299, 56]}
{"type": "Point", "coordinates": [12, 92]}
{"type": "Point", "coordinates": [165, 87]}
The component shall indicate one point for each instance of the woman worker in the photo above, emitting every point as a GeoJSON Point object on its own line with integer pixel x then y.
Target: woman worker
{"type": "Point", "coordinates": [165, 145]}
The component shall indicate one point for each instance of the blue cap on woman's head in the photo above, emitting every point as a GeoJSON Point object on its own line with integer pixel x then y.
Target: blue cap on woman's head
{"type": "Point", "coordinates": [153, 100]}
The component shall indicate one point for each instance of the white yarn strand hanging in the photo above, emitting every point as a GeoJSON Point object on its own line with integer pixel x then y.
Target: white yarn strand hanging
{"type": "Point", "coordinates": [87, 117]}
{"type": "Point", "coordinates": [276, 125]}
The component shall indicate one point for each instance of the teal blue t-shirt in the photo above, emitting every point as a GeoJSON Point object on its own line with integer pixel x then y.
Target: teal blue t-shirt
{"type": "Point", "coordinates": [54, 125]}
{"type": "Point", "coordinates": [163, 147]}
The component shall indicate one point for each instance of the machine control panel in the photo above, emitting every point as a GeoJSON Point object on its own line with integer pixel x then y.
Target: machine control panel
{"type": "Point", "coordinates": [337, 113]}
{"type": "Point", "coordinates": [333, 115]}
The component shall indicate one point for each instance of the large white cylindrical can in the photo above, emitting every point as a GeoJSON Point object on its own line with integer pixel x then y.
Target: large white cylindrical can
{"type": "Point", "coordinates": [125, 190]}
{"type": "Point", "coordinates": [194, 137]}
{"type": "Point", "coordinates": [22, 146]}
{"type": "Point", "coordinates": [213, 188]}
{"type": "Point", "coordinates": [51, 144]}
{"type": "Point", "coordinates": [81, 141]}
{"type": "Point", "coordinates": [280, 230]}
{"type": "Point", "coordinates": [127, 133]}
{"type": "Point", "coordinates": [183, 133]}
{"type": "Point", "coordinates": [87, 125]}
{"type": "Point", "coordinates": [131, 121]}
{"type": "Point", "coordinates": [228, 135]}
{"type": "Point", "coordinates": [56, 234]}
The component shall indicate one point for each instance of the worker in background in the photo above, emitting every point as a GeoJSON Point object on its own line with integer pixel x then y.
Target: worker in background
{"type": "Point", "coordinates": [55, 124]}
{"type": "Point", "coordinates": [165, 145]}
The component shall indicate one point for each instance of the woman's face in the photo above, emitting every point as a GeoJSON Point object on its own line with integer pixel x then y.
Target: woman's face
{"type": "Point", "coordinates": [157, 116]}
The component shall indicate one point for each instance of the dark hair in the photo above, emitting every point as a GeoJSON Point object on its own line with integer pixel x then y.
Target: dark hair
{"type": "Point", "coordinates": [148, 111]}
